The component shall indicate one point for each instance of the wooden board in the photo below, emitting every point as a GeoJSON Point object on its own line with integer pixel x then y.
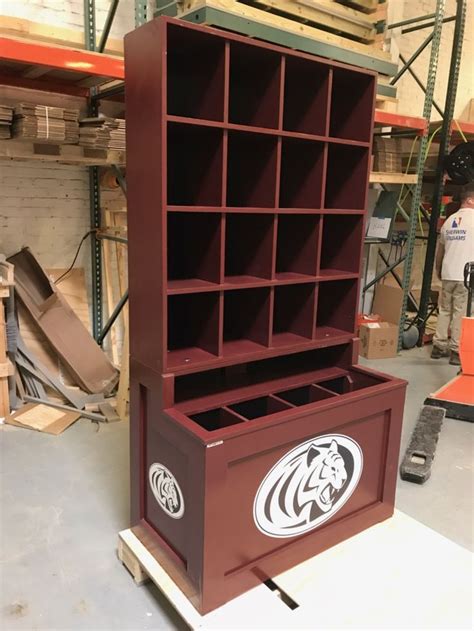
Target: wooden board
{"type": "Point", "coordinates": [73, 287]}
{"type": "Point", "coordinates": [407, 588]}
{"type": "Point", "coordinates": [61, 154]}
{"type": "Point", "coordinates": [10, 25]}
{"type": "Point", "coordinates": [379, 177]}
{"type": "Point", "coordinates": [258, 15]}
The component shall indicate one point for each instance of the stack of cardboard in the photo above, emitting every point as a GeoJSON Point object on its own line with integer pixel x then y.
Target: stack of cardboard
{"type": "Point", "coordinates": [388, 155]}
{"type": "Point", "coordinates": [46, 123]}
{"type": "Point", "coordinates": [102, 133]}
{"type": "Point", "coordinates": [6, 118]}
{"type": "Point", "coordinates": [379, 339]}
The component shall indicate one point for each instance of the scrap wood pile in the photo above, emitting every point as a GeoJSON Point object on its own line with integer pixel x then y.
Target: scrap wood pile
{"type": "Point", "coordinates": [102, 133]}
{"type": "Point", "coordinates": [57, 368]}
{"type": "Point", "coordinates": [6, 119]}
{"type": "Point", "coordinates": [46, 123]}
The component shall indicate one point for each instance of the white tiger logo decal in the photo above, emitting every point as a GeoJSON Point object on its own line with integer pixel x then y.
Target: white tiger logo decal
{"type": "Point", "coordinates": [308, 486]}
{"type": "Point", "coordinates": [166, 490]}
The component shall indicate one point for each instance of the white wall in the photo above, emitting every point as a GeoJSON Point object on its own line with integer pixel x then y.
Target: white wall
{"type": "Point", "coordinates": [70, 13]}
{"type": "Point", "coordinates": [409, 94]}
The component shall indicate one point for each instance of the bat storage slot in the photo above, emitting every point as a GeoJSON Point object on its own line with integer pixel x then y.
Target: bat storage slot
{"type": "Point", "coordinates": [263, 406]}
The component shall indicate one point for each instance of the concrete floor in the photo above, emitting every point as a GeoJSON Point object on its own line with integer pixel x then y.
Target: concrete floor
{"type": "Point", "coordinates": [64, 499]}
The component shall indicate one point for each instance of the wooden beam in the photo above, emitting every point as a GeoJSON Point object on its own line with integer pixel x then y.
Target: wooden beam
{"type": "Point", "coordinates": [320, 14]}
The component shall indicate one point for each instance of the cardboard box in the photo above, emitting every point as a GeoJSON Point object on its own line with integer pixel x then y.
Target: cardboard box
{"type": "Point", "coordinates": [378, 340]}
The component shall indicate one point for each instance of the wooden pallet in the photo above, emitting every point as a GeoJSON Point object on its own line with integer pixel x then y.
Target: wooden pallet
{"type": "Point", "coordinates": [327, 15]}
{"type": "Point", "coordinates": [334, 29]}
{"type": "Point", "coordinates": [362, 583]}
{"type": "Point", "coordinates": [63, 154]}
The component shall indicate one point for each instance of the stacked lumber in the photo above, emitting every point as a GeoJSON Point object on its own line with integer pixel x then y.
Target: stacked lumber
{"type": "Point", "coordinates": [102, 133]}
{"type": "Point", "coordinates": [6, 118]}
{"type": "Point", "coordinates": [6, 367]}
{"type": "Point", "coordinates": [46, 123]}
{"type": "Point", "coordinates": [357, 20]}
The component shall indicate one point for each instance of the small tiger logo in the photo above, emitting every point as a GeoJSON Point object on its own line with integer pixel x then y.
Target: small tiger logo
{"type": "Point", "coordinates": [308, 486]}
{"type": "Point", "coordinates": [166, 490]}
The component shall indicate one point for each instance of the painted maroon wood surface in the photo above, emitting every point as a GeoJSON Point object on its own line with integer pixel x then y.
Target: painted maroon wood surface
{"type": "Point", "coordinates": [247, 174]}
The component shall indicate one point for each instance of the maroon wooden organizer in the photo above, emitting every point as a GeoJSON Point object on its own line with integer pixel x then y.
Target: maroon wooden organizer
{"type": "Point", "coordinates": [256, 440]}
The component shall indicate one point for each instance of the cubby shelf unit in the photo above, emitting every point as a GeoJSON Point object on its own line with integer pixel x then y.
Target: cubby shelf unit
{"type": "Point", "coordinates": [247, 173]}
{"type": "Point", "coordinates": [262, 199]}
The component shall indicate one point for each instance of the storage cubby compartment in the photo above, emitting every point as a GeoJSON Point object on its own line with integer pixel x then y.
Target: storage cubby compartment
{"type": "Point", "coordinates": [248, 247]}
{"type": "Point", "coordinates": [352, 104]}
{"type": "Point", "coordinates": [254, 97]}
{"type": "Point", "coordinates": [246, 321]}
{"type": "Point", "coordinates": [340, 249]}
{"type": "Point", "coordinates": [193, 249]}
{"type": "Point", "coordinates": [336, 308]}
{"type": "Point", "coordinates": [306, 96]}
{"type": "Point", "coordinates": [193, 328]}
{"type": "Point", "coordinates": [346, 177]}
{"type": "Point", "coordinates": [301, 179]}
{"type": "Point", "coordinates": [293, 314]}
{"type": "Point", "coordinates": [297, 246]}
{"type": "Point", "coordinates": [339, 385]}
{"type": "Point", "coordinates": [216, 419]}
{"type": "Point", "coordinates": [195, 74]}
{"type": "Point", "coordinates": [305, 395]}
{"type": "Point", "coordinates": [251, 170]}
{"type": "Point", "coordinates": [263, 406]}
{"type": "Point", "coordinates": [194, 165]}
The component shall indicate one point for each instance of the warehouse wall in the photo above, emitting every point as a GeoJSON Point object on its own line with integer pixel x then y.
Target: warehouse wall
{"type": "Point", "coordinates": [70, 13]}
{"type": "Point", "coordinates": [409, 94]}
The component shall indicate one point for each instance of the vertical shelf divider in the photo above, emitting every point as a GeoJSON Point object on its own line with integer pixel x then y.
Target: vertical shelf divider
{"type": "Point", "coordinates": [282, 92]}
{"type": "Point", "coordinates": [329, 99]}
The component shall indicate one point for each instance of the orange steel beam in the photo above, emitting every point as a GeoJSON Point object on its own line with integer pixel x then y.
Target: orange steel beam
{"type": "Point", "coordinates": [61, 58]}
{"type": "Point", "coordinates": [389, 119]}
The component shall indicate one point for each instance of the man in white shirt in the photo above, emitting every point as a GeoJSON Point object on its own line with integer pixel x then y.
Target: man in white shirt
{"type": "Point", "coordinates": [455, 249]}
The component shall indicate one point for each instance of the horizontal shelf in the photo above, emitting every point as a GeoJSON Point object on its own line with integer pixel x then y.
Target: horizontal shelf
{"type": "Point", "coordinates": [12, 149]}
{"type": "Point", "coordinates": [379, 177]}
{"type": "Point", "coordinates": [252, 351]}
{"type": "Point", "coordinates": [400, 121]}
{"type": "Point", "coordinates": [284, 133]}
{"type": "Point", "coordinates": [256, 211]}
{"type": "Point", "coordinates": [196, 285]}
{"type": "Point", "coordinates": [56, 68]}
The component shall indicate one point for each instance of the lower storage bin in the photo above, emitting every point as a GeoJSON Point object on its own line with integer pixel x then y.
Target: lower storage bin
{"type": "Point", "coordinates": [231, 494]}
